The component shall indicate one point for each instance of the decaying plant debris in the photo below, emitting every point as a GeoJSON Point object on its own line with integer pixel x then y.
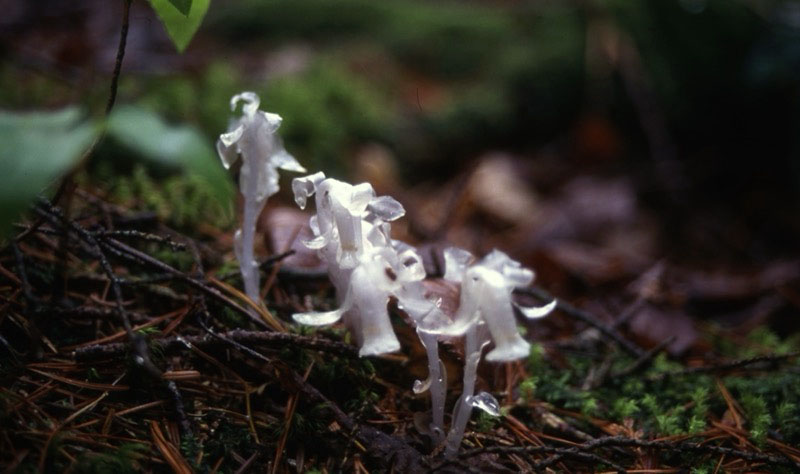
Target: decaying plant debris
{"type": "Point", "coordinates": [128, 346]}
{"type": "Point", "coordinates": [125, 348]}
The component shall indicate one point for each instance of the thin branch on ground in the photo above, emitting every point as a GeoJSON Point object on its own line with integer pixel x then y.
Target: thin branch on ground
{"type": "Point", "coordinates": [387, 449]}
{"type": "Point", "coordinates": [622, 441]}
{"type": "Point", "coordinates": [259, 338]}
{"type": "Point", "coordinates": [586, 317]}
{"type": "Point", "coordinates": [762, 362]}
{"type": "Point", "coordinates": [137, 341]}
{"type": "Point", "coordinates": [644, 361]}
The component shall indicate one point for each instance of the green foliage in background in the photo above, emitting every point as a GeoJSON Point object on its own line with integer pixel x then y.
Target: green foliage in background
{"type": "Point", "coordinates": [183, 6]}
{"type": "Point", "coordinates": [499, 77]}
{"type": "Point", "coordinates": [446, 40]}
{"type": "Point", "coordinates": [326, 110]}
{"type": "Point", "coordinates": [178, 147]}
{"type": "Point", "coordinates": [181, 18]}
{"type": "Point", "coordinates": [38, 147]}
{"type": "Point", "coordinates": [182, 200]}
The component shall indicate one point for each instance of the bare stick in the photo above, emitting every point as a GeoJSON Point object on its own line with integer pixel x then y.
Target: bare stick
{"type": "Point", "coordinates": [733, 365]}
{"type": "Point", "coordinates": [123, 40]}
{"type": "Point", "coordinates": [260, 338]}
{"type": "Point", "coordinates": [587, 318]}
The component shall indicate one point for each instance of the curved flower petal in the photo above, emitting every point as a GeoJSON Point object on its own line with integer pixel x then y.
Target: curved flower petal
{"type": "Point", "coordinates": [517, 277]}
{"type": "Point", "coordinates": [456, 328]}
{"type": "Point", "coordinates": [316, 243]}
{"type": "Point", "coordinates": [283, 160]}
{"type": "Point", "coordinates": [411, 267]}
{"type": "Point", "coordinates": [318, 318]}
{"type": "Point", "coordinates": [305, 187]}
{"type": "Point", "coordinates": [386, 208]}
{"type": "Point", "coordinates": [233, 136]}
{"type": "Point", "coordinates": [251, 102]}
{"type": "Point", "coordinates": [272, 121]}
{"type": "Point", "coordinates": [534, 312]}
{"type": "Point", "coordinates": [228, 154]}
{"type": "Point", "coordinates": [514, 349]}
{"type": "Point", "coordinates": [456, 261]}
{"type": "Point", "coordinates": [497, 259]}
{"type": "Point", "coordinates": [360, 196]}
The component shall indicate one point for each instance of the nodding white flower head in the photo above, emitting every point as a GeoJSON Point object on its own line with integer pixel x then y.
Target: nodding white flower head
{"type": "Point", "coordinates": [352, 235]}
{"type": "Point", "coordinates": [342, 211]}
{"type": "Point", "coordinates": [254, 137]}
{"type": "Point", "coordinates": [486, 288]}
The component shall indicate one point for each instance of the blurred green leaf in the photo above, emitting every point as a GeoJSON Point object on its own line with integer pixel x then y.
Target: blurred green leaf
{"type": "Point", "coordinates": [38, 147]}
{"type": "Point", "coordinates": [174, 146]}
{"type": "Point", "coordinates": [180, 26]}
{"type": "Point", "coordinates": [183, 6]}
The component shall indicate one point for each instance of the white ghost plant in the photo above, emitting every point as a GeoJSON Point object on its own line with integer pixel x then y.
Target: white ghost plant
{"type": "Point", "coordinates": [254, 138]}
{"type": "Point", "coordinates": [486, 289]}
{"type": "Point", "coordinates": [352, 236]}
{"type": "Point", "coordinates": [485, 314]}
{"type": "Point", "coordinates": [367, 267]}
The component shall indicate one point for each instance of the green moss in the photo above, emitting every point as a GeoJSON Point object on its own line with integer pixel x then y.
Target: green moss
{"type": "Point", "coordinates": [527, 389]}
{"type": "Point", "coordinates": [665, 405]}
{"type": "Point", "coordinates": [624, 408]}
{"type": "Point", "coordinates": [191, 447]}
{"type": "Point", "coordinates": [122, 460]}
{"type": "Point", "coordinates": [230, 318]}
{"type": "Point", "coordinates": [229, 437]}
{"type": "Point", "coordinates": [759, 419]}
{"type": "Point", "coordinates": [485, 422]}
{"type": "Point", "coordinates": [787, 417]}
{"type": "Point", "coordinates": [590, 405]}
{"type": "Point", "coordinates": [183, 201]}
{"type": "Point", "coordinates": [304, 424]}
{"type": "Point", "coordinates": [326, 110]}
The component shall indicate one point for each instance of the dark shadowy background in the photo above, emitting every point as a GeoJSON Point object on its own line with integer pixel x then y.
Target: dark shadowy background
{"type": "Point", "coordinates": [693, 104]}
{"type": "Point", "coordinates": [642, 156]}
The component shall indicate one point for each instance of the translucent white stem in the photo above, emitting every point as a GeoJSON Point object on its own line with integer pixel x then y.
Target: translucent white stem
{"type": "Point", "coordinates": [437, 385]}
{"type": "Point", "coordinates": [463, 408]}
{"type": "Point", "coordinates": [245, 240]}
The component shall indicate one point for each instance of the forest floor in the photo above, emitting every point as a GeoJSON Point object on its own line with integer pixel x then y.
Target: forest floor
{"type": "Point", "coordinates": [126, 344]}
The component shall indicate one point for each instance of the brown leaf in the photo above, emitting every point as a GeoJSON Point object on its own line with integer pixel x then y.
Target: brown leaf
{"type": "Point", "coordinates": [655, 325]}
{"type": "Point", "coordinates": [286, 228]}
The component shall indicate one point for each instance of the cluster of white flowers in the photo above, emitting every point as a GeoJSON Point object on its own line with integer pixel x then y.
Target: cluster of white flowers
{"type": "Point", "coordinates": [352, 234]}
{"type": "Point", "coordinates": [485, 314]}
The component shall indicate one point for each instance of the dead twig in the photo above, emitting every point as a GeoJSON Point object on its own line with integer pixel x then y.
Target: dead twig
{"type": "Point", "coordinates": [585, 317]}
{"type": "Point", "coordinates": [142, 258]}
{"type": "Point", "coordinates": [123, 39]}
{"type": "Point", "coordinates": [621, 441]}
{"type": "Point", "coordinates": [767, 360]}
{"type": "Point", "coordinates": [386, 449]}
{"type": "Point", "coordinates": [644, 361]}
{"type": "Point", "coordinates": [137, 341]}
{"type": "Point", "coordinates": [240, 336]}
